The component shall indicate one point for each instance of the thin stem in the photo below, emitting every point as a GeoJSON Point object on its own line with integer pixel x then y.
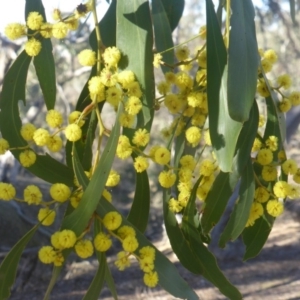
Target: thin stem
{"type": "Point", "coordinates": [101, 132]}
{"type": "Point", "coordinates": [194, 37]}
{"type": "Point", "coordinates": [227, 22]}
{"type": "Point", "coordinates": [98, 36]}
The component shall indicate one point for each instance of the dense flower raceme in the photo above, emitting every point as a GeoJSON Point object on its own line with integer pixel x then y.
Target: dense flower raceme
{"type": "Point", "coordinates": [184, 97]}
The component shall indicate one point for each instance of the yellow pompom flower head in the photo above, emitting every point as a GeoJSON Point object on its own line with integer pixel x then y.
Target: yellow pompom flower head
{"type": "Point", "coordinates": [55, 143]}
{"type": "Point", "coordinates": [41, 137]}
{"type": "Point", "coordinates": [274, 208]}
{"type": "Point", "coordinates": [141, 164]}
{"type": "Point", "coordinates": [112, 220]}
{"type": "Point", "coordinates": [73, 132]}
{"type": "Point", "coordinates": [15, 30]}
{"type": "Point", "coordinates": [284, 81]}
{"type": "Point", "coordinates": [4, 146]}
{"type": "Point", "coordinates": [34, 20]}
{"type": "Point", "coordinates": [141, 137]}
{"type": "Point", "coordinates": [60, 30]}
{"type": "Point", "coordinates": [7, 191]}
{"type": "Point", "coordinates": [27, 131]}
{"type": "Point", "coordinates": [123, 261]}
{"type": "Point", "coordinates": [87, 57]}
{"type": "Point", "coordinates": [84, 248]}
{"type": "Point", "coordinates": [47, 255]}
{"type": "Point", "coordinates": [264, 157]}
{"type": "Point", "coordinates": [46, 30]}
{"type": "Point", "coordinates": [54, 118]}
{"type": "Point", "coordinates": [33, 47]}
{"type": "Point", "coordinates": [60, 192]}
{"type": "Point", "coordinates": [46, 216]}
{"type": "Point", "coordinates": [157, 60]}
{"type": "Point", "coordinates": [113, 178]}
{"type": "Point", "coordinates": [67, 238]}
{"type": "Point", "coordinates": [32, 195]}
{"type": "Point", "coordinates": [162, 156]}
{"type": "Point", "coordinates": [27, 158]}
{"type": "Point", "coordinates": [102, 242]}
{"type": "Point", "coordinates": [167, 179]}
{"type": "Point", "coordinates": [151, 279]}
{"type": "Point", "coordinates": [193, 135]}
{"type": "Point", "coordinates": [112, 56]}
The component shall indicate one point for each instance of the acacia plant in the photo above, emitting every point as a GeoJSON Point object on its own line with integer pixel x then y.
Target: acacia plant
{"type": "Point", "coordinates": [216, 91]}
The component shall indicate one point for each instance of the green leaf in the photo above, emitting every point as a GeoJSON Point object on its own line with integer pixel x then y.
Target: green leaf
{"type": "Point", "coordinates": [162, 33]}
{"type": "Point", "coordinates": [80, 217]}
{"type": "Point", "coordinates": [179, 148]}
{"type": "Point", "coordinates": [177, 239]}
{"type": "Point", "coordinates": [135, 40]}
{"type": "Point", "coordinates": [107, 27]}
{"type": "Point", "coordinates": [241, 211]}
{"type": "Point", "coordinates": [174, 10]}
{"type": "Point", "coordinates": [139, 212]}
{"type": "Point", "coordinates": [276, 124]}
{"type": "Point", "coordinates": [245, 140]}
{"type": "Point", "coordinates": [224, 131]}
{"type": "Point", "coordinates": [254, 237]}
{"type": "Point", "coordinates": [88, 142]}
{"type": "Point", "coordinates": [13, 91]}
{"type": "Point", "coordinates": [34, 5]}
{"type": "Point", "coordinates": [96, 285]}
{"type": "Point", "coordinates": [110, 282]}
{"type": "Point", "coordinates": [204, 258]}
{"type": "Point", "coordinates": [224, 184]}
{"type": "Point", "coordinates": [210, 267]}
{"type": "Point", "coordinates": [169, 278]}
{"type": "Point", "coordinates": [108, 278]}
{"type": "Point", "coordinates": [242, 60]}
{"type": "Point", "coordinates": [54, 277]}
{"type": "Point", "coordinates": [44, 60]}
{"type": "Point", "coordinates": [8, 267]}
{"type": "Point", "coordinates": [217, 198]}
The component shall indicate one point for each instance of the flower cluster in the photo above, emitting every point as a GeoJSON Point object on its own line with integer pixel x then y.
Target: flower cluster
{"type": "Point", "coordinates": [37, 29]}
{"type": "Point", "coordinates": [102, 242]}
{"type": "Point", "coordinates": [42, 137]}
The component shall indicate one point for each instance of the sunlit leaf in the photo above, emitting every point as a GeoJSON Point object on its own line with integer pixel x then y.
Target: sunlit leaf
{"type": "Point", "coordinates": [162, 33]}
{"type": "Point", "coordinates": [242, 60]}
{"type": "Point", "coordinates": [224, 131]}
{"type": "Point", "coordinates": [241, 210]}
{"type": "Point", "coordinates": [135, 40]}
{"type": "Point", "coordinates": [139, 212]}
